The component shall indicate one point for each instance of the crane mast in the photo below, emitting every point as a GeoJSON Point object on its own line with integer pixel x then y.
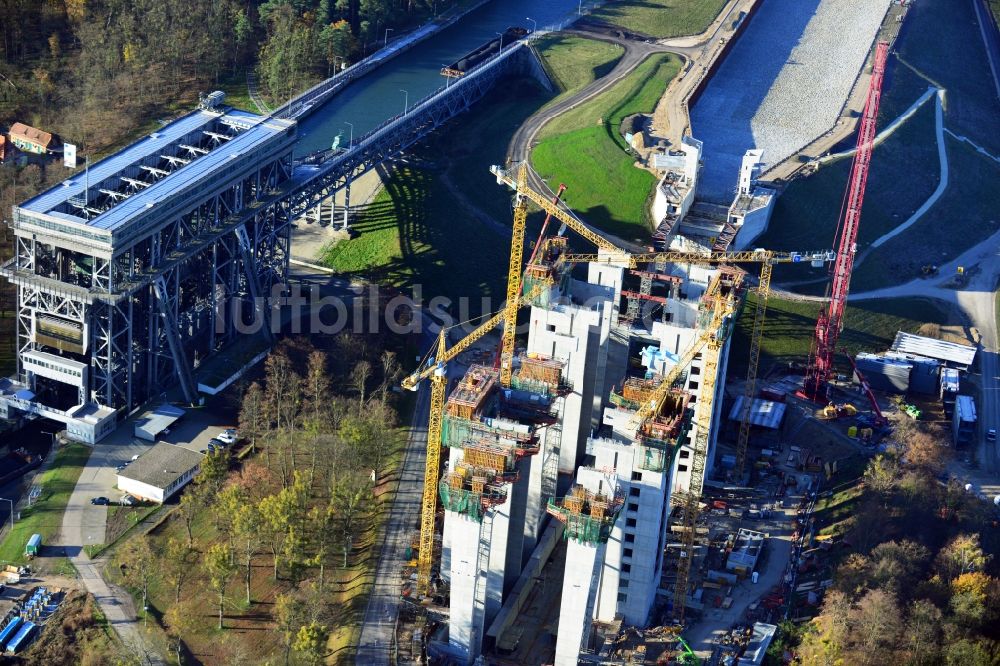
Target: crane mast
{"type": "Point", "coordinates": [829, 323]}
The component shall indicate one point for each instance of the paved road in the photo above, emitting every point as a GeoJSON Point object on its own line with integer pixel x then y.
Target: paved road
{"type": "Point", "coordinates": [942, 178]}
{"type": "Point", "coordinates": [83, 524]}
{"type": "Point", "coordinates": [524, 140]}
{"type": "Point", "coordinates": [404, 519]}
{"type": "Point", "coordinates": [670, 111]}
{"type": "Point", "coordinates": [977, 300]}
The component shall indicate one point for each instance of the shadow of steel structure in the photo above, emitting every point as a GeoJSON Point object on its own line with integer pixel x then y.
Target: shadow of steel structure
{"type": "Point", "coordinates": [320, 175]}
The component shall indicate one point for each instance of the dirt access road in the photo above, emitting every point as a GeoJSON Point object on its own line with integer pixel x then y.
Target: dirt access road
{"type": "Point", "coordinates": [977, 300]}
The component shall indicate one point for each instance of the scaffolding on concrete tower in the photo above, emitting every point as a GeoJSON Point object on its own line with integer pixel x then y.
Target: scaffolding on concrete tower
{"type": "Point", "coordinates": [472, 491]}
{"type": "Point", "coordinates": [588, 516]}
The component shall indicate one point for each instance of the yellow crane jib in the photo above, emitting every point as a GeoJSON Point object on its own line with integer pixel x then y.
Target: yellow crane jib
{"type": "Point", "coordinates": [436, 370]}
{"type": "Point", "coordinates": [652, 405]}
{"type": "Point", "coordinates": [630, 260]}
{"type": "Point", "coordinates": [521, 187]}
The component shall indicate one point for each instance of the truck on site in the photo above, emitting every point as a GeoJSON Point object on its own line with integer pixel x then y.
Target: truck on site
{"type": "Point", "coordinates": [34, 546]}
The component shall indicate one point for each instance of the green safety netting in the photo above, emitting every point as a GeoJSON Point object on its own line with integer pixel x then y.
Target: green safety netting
{"type": "Point", "coordinates": [460, 500]}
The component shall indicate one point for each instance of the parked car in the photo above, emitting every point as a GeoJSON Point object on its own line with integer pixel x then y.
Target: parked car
{"type": "Point", "coordinates": [217, 443]}
{"type": "Point", "coordinates": [228, 436]}
{"type": "Point", "coordinates": [121, 467]}
{"type": "Point", "coordinates": [991, 435]}
{"type": "Point", "coordinates": [127, 500]}
{"type": "Point", "coordinates": [101, 501]}
{"type": "Point", "coordinates": [134, 458]}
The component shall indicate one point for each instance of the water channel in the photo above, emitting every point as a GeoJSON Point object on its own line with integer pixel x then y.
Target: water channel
{"type": "Point", "coordinates": [380, 94]}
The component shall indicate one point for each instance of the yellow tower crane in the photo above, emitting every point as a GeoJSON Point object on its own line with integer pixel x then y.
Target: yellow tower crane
{"type": "Point", "coordinates": [435, 369]}
{"type": "Point", "coordinates": [708, 338]}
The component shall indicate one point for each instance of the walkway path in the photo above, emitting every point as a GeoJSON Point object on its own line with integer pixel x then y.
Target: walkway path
{"type": "Point", "coordinates": [524, 140]}
{"type": "Point", "coordinates": [254, 94]}
{"type": "Point", "coordinates": [979, 149]}
{"type": "Point", "coordinates": [81, 522]}
{"type": "Point", "coordinates": [671, 118]}
{"type": "Point", "coordinates": [379, 628]}
{"type": "Point", "coordinates": [942, 183]}
{"type": "Point", "coordinates": [885, 133]}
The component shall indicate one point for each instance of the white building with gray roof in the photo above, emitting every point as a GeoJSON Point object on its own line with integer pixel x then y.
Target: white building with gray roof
{"type": "Point", "coordinates": [160, 472]}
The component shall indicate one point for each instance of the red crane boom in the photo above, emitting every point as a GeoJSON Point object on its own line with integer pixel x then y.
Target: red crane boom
{"type": "Point", "coordinates": [867, 390]}
{"type": "Point", "coordinates": [829, 323]}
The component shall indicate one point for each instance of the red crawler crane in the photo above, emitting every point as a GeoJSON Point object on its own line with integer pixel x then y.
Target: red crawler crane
{"type": "Point", "coordinates": [829, 323]}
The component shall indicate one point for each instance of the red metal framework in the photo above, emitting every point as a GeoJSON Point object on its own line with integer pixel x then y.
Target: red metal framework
{"type": "Point", "coordinates": [867, 390]}
{"type": "Point", "coordinates": [829, 323]}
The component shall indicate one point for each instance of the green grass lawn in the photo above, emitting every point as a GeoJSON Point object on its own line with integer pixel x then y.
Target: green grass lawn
{"type": "Point", "coordinates": [583, 149]}
{"type": "Point", "coordinates": [414, 234]}
{"type": "Point", "coordinates": [966, 214]}
{"type": "Point", "coordinates": [604, 185]}
{"type": "Point", "coordinates": [636, 93]}
{"type": "Point", "coordinates": [237, 94]}
{"type": "Point", "coordinates": [805, 215]}
{"type": "Point", "coordinates": [573, 62]}
{"type": "Point", "coordinates": [789, 326]}
{"type": "Point", "coordinates": [834, 513]}
{"type": "Point", "coordinates": [415, 231]}
{"type": "Point", "coordinates": [661, 18]}
{"type": "Point", "coordinates": [46, 515]}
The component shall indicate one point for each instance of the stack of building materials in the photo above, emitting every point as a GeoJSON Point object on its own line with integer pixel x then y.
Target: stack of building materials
{"type": "Point", "coordinates": [925, 375]}
{"type": "Point", "coordinates": [746, 550]}
{"type": "Point", "coordinates": [763, 634]}
{"type": "Point", "coordinates": [763, 413]}
{"type": "Point", "coordinates": [22, 638]}
{"type": "Point", "coordinates": [10, 630]}
{"type": "Point", "coordinates": [950, 354]}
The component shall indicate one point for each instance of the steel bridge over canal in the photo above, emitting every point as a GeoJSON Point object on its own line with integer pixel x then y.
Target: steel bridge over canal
{"type": "Point", "coordinates": [131, 275]}
{"type": "Point", "coordinates": [320, 175]}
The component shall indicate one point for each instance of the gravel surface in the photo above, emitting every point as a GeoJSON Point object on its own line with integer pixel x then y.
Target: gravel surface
{"type": "Point", "coordinates": [782, 85]}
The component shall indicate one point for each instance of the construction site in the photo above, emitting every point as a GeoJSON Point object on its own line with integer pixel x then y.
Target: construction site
{"type": "Point", "coordinates": [611, 493]}
{"type": "Point", "coordinates": [572, 511]}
